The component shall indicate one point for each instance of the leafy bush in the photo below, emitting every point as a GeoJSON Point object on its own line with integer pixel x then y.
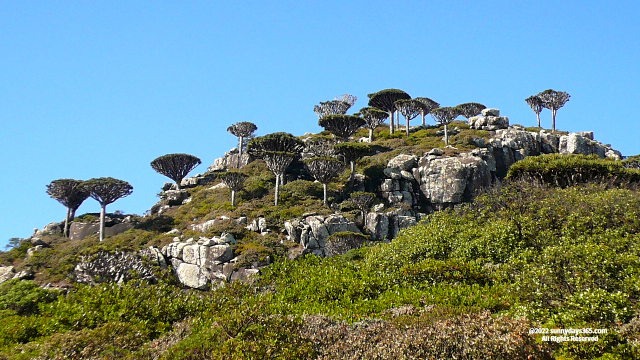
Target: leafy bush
{"type": "Point", "coordinates": [341, 242]}
{"type": "Point", "coordinates": [567, 170]}
{"type": "Point", "coordinates": [24, 296]}
{"type": "Point", "coordinates": [472, 336]}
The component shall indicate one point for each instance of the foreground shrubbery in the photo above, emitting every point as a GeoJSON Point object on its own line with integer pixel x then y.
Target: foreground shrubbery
{"type": "Point", "coordinates": [465, 283]}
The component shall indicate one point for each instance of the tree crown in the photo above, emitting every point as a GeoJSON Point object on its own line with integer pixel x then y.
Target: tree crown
{"type": "Point", "coordinates": [385, 99]}
{"type": "Point", "coordinates": [69, 192]}
{"type": "Point", "coordinates": [279, 142]}
{"type": "Point", "coordinates": [469, 110]}
{"type": "Point", "coordinates": [535, 103]}
{"type": "Point", "coordinates": [242, 129]}
{"type": "Point", "coordinates": [233, 179]}
{"type": "Point", "coordinates": [428, 104]}
{"type": "Point", "coordinates": [409, 108]}
{"type": "Point", "coordinates": [342, 126]}
{"type": "Point", "coordinates": [332, 107]}
{"type": "Point", "coordinates": [106, 190]}
{"type": "Point", "coordinates": [445, 115]}
{"type": "Point", "coordinates": [552, 99]}
{"type": "Point", "coordinates": [175, 166]}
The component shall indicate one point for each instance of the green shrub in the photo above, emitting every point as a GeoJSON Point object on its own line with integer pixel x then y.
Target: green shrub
{"type": "Point", "coordinates": [112, 340]}
{"type": "Point", "coordinates": [24, 296]}
{"type": "Point", "coordinates": [341, 242]}
{"type": "Point", "coordinates": [567, 170]}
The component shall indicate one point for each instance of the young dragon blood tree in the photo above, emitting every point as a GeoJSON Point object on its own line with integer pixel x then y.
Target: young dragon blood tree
{"type": "Point", "coordinates": [278, 151]}
{"type": "Point", "coordinates": [175, 166]}
{"type": "Point", "coordinates": [242, 130]}
{"type": "Point", "coordinates": [70, 193]}
{"type": "Point", "coordinates": [107, 190]}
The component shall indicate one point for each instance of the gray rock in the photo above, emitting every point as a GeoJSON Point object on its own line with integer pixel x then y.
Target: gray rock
{"type": "Point", "coordinates": [6, 273]}
{"type": "Point", "coordinates": [242, 220]}
{"type": "Point", "coordinates": [452, 180]}
{"type": "Point", "coordinates": [401, 222]}
{"type": "Point", "coordinates": [244, 274]}
{"type": "Point", "coordinates": [490, 112]}
{"type": "Point", "coordinates": [193, 276]}
{"type": "Point", "coordinates": [377, 226]}
{"type": "Point", "coordinates": [195, 254]}
{"type": "Point", "coordinates": [582, 143]}
{"type": "Point", "coordinates": [218, 254]}
{"type": "Point", "coordinates": [31, 251]}
{"type": "Point", "coordinates": [174, 197]}
{"type": "Point", "coordinates": [262, 225]}
{"type": "Point", "coordinates": [205, 226]}
{"type": "Point", "coordinates": [407, 175]}
{"type": "Point", "coordinates": [79, 231]}
{"type": "Point", "coordinates": [227, 238]}
{"type": "Point", "coordinates": [403, 162]}
{"type": "Point", "coordinates": [24, 275]}
{"type": "Point", "coordinates": [392, 173]}
{"type": "Point", "coordinates": [116, 267]}
{"type": "Point", "coordinates": [436, 152]}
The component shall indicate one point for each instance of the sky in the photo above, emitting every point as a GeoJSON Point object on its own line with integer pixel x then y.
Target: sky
{"type": "Point", "coordinates": [101, 88]}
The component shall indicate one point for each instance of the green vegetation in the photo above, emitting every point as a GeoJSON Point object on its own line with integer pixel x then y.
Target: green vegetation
{"type": "Point", "coordinates": [567, 170]}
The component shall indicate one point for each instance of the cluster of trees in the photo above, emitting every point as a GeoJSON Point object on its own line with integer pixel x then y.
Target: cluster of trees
{"type": "Point", "coordinates": [548, 99]}
{"type": "Point", "coordinates": [72, 193]}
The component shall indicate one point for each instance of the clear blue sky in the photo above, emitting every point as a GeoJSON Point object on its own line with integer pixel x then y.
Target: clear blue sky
{"type": "Point", "coordinates": [101, 88]}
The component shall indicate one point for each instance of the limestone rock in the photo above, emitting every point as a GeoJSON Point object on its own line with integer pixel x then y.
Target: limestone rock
{"type": "Point", "coordinates": [244, 274]}
{"type": "Point", "coordinates": [452, 180]}
{"type": "Point", "coordinates": [490, 112]}
{"type": "Point", "coordinates": [583, 143]}
{"type": "Point", "coordinates": [6, 273]}
{"type": "Point", "coordinates": [116, 267]}
{"type": "Point", "coordinates": [403, 162]}
{"type": "Point", "coordinates": [377, 226]}
{"type": "Point", "coordinates": [392, 173]}
{"type": "Point", "coordinates": [24, 275]}
{"type": "Point", "coordinates": [193, 276]}
{"type": "Point", "coordinates": [174, 197]}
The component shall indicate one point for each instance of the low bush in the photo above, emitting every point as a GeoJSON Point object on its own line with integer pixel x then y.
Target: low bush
{"type": "Point", "coordinates": [568, 170]}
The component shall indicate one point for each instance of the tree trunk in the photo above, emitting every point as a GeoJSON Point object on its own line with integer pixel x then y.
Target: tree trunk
{"type": "Point", "coordinates": [391, 123]}
{"type": "Point", "coordinates": [352, 176]}
{"type": "Point", "coordinates": [407, 127]}
{"type": "Point", "coordinates": [397, 120]}
{"type": "Point", "coordinates": [553, 115]}
{"type": "Point", "coordinates": [233, 198]}
{"type": "Point", "coordinates": [446, 135]}
{"type": "Point", "coordinates": [324, 189]}
{"type": "Point", "coordinates": [65, 232]}
{"type": "Point", "coordinates": [178, 181]}
{"type": "Point", "coordinates": [103, 210]}
{"type": "Point", "coordinates": [239, 153]}
{"type": "Point", "coordinates": [423, 122]}
{"type": "Point", "coordinates": [538, 114]}
{"type": "Point", "coordinates": [277, 188]}
{"type": "Point", "coordinates": [370, 135]}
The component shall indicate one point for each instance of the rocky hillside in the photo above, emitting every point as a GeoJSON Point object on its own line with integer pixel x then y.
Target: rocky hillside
{"type": "Point", "coordinates": [315, 268]}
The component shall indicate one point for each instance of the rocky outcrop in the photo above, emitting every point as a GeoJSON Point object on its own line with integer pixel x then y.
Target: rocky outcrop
{"type": "Point", "coordinates": [399, 185]}
{"type": "Point", "coordinates": [313, 232]}
{"type": "Point", "coordinates": [6, 273]}
{"type": "Point", "coordinates": [119, 266]}
{"type": "Point", "coordinates": [114, 225]}
{"type": "Point", "coordinates": [489, 120]}
{"type": "Point", "coordinates": [386, 226]}
{"type": "Point", "coordinates": [583, 143]}
{"type": "Point", "coordinates": [230, 160]}
{"type": "Point", "coordinates": [205, 263]}
{"type": "Point", "coordinates": [451, 180]}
